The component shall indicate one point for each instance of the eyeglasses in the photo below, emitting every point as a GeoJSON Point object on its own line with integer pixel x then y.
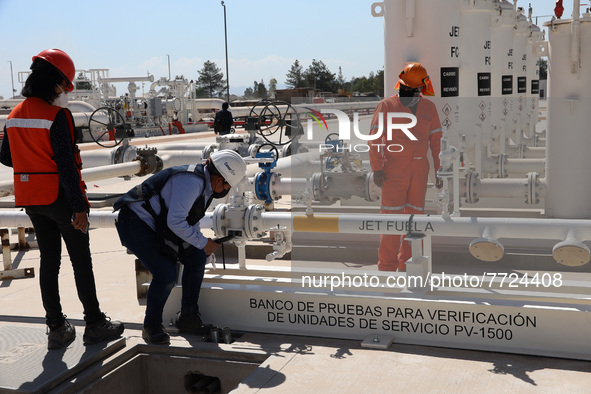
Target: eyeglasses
{"type": "Point", "coordinates": [64, 87]}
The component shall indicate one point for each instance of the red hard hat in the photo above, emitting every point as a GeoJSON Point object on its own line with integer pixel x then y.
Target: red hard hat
{"type": "Point", "coordinates": [415, 75]}
{"type": "Point", "coordinates": [60, 60]}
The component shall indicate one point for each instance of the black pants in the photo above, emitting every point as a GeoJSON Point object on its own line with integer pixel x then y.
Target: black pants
{"type": "Point", "coordinates": [51, 222]}
{"type": "Point", "coordinates": [138, 237]}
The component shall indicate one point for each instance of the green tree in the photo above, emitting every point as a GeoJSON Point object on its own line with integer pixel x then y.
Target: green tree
{"type": "Point", "coordinates": [260, 91]}
{"type": "Point", "coordinates": [248, 93]}
{"type": "Point", "coordinates": [372, 84]}
{"type": "Point", "coordinates": [200, 93]}
{"type": "Point", "coordinates": [211, 79]}
{"type": "Point", "coordinates": [318, 76]}
{"type": "Point", "coordinates": [295, 77]}
{"type": "Point", "coordinates": [379, 83]}
{"type": "Point", "coordinates": [272, 87]}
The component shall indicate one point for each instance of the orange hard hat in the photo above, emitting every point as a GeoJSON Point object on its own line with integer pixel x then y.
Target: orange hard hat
{"type": "Point", "coordinates": [415, 76]}
{"type": "Point", "coordinates": [60, 60]}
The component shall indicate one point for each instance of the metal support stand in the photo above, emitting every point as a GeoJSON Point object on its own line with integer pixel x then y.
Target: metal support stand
{"type": "Point", "coordinates": [419, 265]}
{"type": "Point", "coordinates": [8, 272]}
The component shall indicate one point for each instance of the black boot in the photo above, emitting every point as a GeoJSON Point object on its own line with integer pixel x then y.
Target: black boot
{"type": "Point", "coordinates": [60, 335]}
{"type": "Point", "coordinates": [155, 335]}
{"type": "Point", "coordinates": [102, 330]}
{"type": "Point", "coordinates": [192, 324]}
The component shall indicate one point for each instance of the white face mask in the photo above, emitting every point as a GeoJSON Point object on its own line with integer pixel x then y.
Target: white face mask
{"type": "Point", "coordinates": [62, 99]}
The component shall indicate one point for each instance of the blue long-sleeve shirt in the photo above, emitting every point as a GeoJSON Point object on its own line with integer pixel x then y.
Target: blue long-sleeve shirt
{"type": "Point", "coordinates": [179, 194]}
{"type": "Point", "coordinates": [63, 154]}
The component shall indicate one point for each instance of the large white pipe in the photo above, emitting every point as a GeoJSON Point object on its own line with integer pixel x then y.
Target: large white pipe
{"type": "Point", "coordinates": [302, 108]}
{"type": "Point", "coordinates": [512, 167]}
{"type": "Point", "coordinates": [523, 166]}
{"type": "Point", "coordinates": [519, 228]}
{"type": "Point", "coordinates": [149, 78]}
{"type": "Point", "coordinates": [502, 188]}
{"type": "Point", "coordinates": [300, 165]}
{"type": "Point", "coordinates": [88, 175]}
{"type": "Point", "coordinates": [10, 103]}
{"type": "Point", "coordinates": [81, 112]}
{"type": "Point", "coordinates": [111, 171]}
{"type": "Point", "coordinates": [179, 158]}
{"type": "Point", "coordinates": [289, 186]}
{"type": "Point", "coordinates": [181, 146]}
{"type": "Point", "coordinates": [98, 219]}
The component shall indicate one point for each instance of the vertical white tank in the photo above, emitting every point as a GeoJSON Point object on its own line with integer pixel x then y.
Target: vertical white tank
{"type": "Point", "coordinates": [535, 49]}
{"type": "Point", "coordinates": [426, 31]}
{"type": "Point", "coordinates": [520, 36]}
{"type": "Point", "coordinates": [503, 24]}
{"type": "Point", "coordinates": [475, 77]}
{"type": "Point", "coordinates": [568, 165]}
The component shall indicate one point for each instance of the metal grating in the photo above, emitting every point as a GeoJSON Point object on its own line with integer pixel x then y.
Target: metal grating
{"type": "Point", "coordinates": [27, 366]}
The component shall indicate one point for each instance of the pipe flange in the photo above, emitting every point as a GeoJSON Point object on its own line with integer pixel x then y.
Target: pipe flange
{"type": "Point", "coordinates": [531, 193]}
{"type": "Point", "coordinates": [218, 217]}
{"type": "Point", "coordinates": [120, 153]}
{"type": "Point", "coordinates": [253, 221]}
{"type": "Point", "coordinates": [273, 181]}
{"type": "Point", "coordinates": [262, 186]}
{"type": "Point", "coordinates": [207, 151]}
{"type": "Point", "coordinates": [486, 249]}
{"type": "Point", "coordinates": [502, 161]}
{"type": "Point", "coordinates": [317, 186]}
{"type": "Point", "coordinates": [472, 184]}
{"type": "Point", "coordinates": [571, 253]}
{"type": "Point", "coordinates": [372, 191]}
{"type": "Point", "coordinates": [286, 150]}
{"type": "Point", "coordinates": [253, 149]}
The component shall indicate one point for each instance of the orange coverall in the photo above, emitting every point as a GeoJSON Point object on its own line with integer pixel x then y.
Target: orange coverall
{"type": "Point", "coordinates": [406, 172]}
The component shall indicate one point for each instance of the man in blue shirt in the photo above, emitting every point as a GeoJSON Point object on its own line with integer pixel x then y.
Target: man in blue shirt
{"type": "Point", "coordinates": [159, 222]}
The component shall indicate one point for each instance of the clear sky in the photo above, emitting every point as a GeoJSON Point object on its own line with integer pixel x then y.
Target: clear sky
{"type": "Point", "coordinates": [132, 38]}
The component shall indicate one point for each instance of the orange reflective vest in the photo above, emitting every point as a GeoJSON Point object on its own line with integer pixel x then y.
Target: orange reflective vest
{"type": "Point", "coordinates": [36, 179]}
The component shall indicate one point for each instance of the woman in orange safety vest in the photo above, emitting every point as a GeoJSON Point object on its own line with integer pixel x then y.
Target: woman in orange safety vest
{"type": "Point", "coordinates": [39, 143]}
{"type": "Point", "coordinates": [402, 173]}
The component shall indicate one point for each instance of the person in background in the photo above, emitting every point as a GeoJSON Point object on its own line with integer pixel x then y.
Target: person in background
{"type": "Point", "coordinates": [159, 222]}
{"type": "Point", "coordinates": [223, 121]}
{"type": "Point", "coordinates": [403, 175]}
{"type": "Point", "coordinates": [39, 144]}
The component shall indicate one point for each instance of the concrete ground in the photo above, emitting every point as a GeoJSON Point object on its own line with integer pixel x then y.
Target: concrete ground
{"type": "Point", "coordinates": [295, 364]}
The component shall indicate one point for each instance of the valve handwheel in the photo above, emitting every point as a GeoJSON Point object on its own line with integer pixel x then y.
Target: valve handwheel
{"type": "Point", "coordinates": [279, 123]}
{"type": "Point", "coordinates": [107, 127]}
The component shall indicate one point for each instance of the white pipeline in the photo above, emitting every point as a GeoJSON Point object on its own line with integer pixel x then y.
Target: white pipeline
{"type": "Point", "coordinates": [502, 188]}
{"type": "Point", "coordinates": [519, 228]}
{"type": "Point", "coordinates": [88, 175]}
{"type": "Point", "coordinates": [111, 171]}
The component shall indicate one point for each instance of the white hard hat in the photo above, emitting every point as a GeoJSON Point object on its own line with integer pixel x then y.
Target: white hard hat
{"type": "Point", "coordinates": [230, 165]}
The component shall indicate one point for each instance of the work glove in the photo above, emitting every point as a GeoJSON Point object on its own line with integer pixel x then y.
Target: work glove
{"type": "Point", "coordinates": [438, 183]}
{"type": "Point", "coordinates": [379, 177]}
{"type": "Point", "coordinates": [211, 260]}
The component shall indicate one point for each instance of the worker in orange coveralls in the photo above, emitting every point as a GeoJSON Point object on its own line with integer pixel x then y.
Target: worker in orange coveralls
{"type": "Point", "coordinates": [402, 173]}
